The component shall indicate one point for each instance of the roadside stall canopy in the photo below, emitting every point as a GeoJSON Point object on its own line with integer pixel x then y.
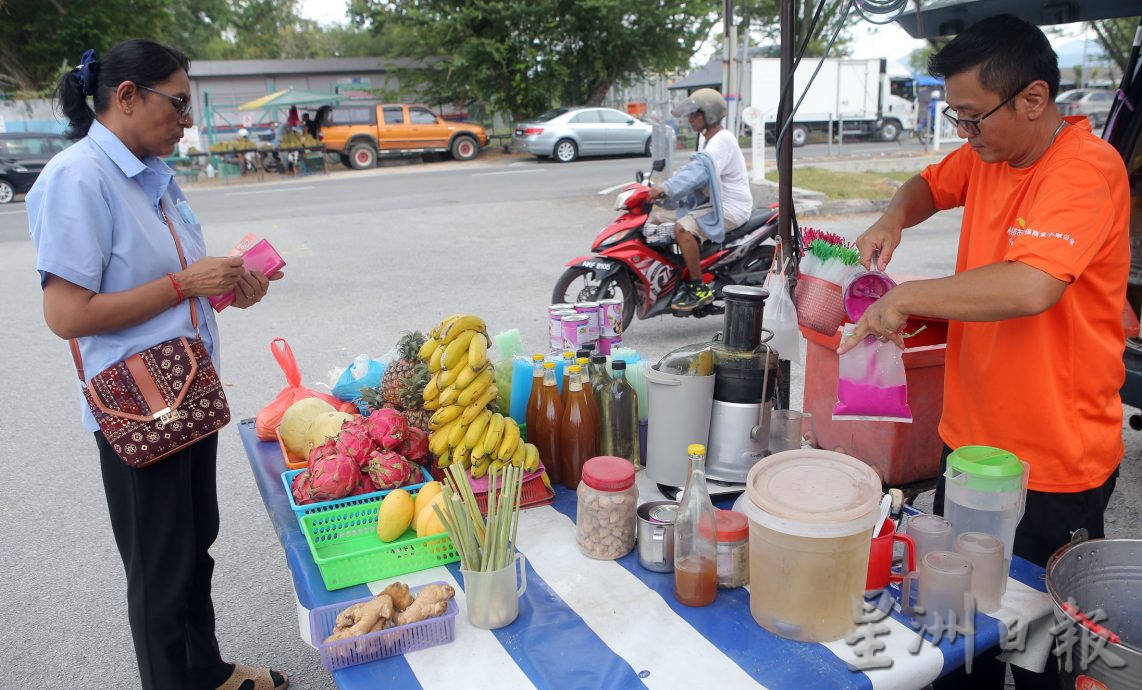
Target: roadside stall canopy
{"type": "Point", "coordinates": [287, 97]}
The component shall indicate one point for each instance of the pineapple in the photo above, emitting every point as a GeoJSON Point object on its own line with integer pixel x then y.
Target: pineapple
{"type": "Point", "coordinates": [402, 386]}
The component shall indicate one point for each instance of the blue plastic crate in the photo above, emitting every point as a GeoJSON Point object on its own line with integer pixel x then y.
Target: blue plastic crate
{"type": "Point", "coordinates": [311, 508]}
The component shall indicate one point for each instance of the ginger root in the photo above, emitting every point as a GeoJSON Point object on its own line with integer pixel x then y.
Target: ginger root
{"type": "Point", "coordinates": [359, 619]}
{"type": "Point", "coordinates": [398, 592]}
{"type": "Point", "coordinates": [431, 601]}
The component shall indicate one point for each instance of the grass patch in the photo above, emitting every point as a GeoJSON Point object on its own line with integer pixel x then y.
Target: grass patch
{"type": "Point", "coordinates": [835, 184]}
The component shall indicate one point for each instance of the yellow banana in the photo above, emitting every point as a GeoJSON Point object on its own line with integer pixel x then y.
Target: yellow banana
{"type": "Point", "coordinates": [472, 411]}
{"type": "Point", "coordinates": [431, 405]}
{"type": "Point", "coordinates": [519, 455]}
{"type": "Point", "coordinates": [495, 434]}
{"type": "Point", "coordinates": [463, 456]}
{"type": "Point", "coordinates": [448, 375]}
{"type": "Point", "coordinates": [480, 469]}
{"type": "Point", "coordinates": [444, 460]}
{"type": "Point", "coordinates": [509, 441]}
{"type": "Point", "coordinates": [444, 323]}
{"type": "Point", "coordinates": [478, 452]}
{"type": "Point", "coordinates": [427, 349]}
{"type": "Point", "coordinates": [438, 442]}
{"type": "Point", "coordinates": [476, 430]}
{"type": "Point", "coordinates": [546, 481]}
{"type": "Point", "coordinates": [460, 326]}
{"type": "Point", "coordinates": [444, 416]}
{"type": "Point", "coordinates": [432, 388]}
{"type": "Point", "coordinates": [476, 389]}
{"type": "Point", "coordinates": [456, 433]}
{"type": "Point", "coordinates": [531, 459]}
{"type": "Point", "coordinates": [497, 465]}
{"type": "Point", "coordinates": [468, 375]}
{"type": "Point", "coordinates": [434, 360]}
{"type": "Point", "coordinates": [457, 348]}
{"type": "Point", "coordinates": [478, 351]}
{"type": "Point", "coordinates": [450, 396]}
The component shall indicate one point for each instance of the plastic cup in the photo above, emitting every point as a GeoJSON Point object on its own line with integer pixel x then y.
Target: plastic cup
{"type": "Point", "coordinates": [493, 597]}
{"type": "Point", "coordinates": [989, 576]}
{"type": "Point", "coordinates": [880, 557]}
{"type": "Point", "coordinates": [945, 583]}
{"type": "Point", "coordinates": [790, 430]}
{"type": "Point", "coordinates": [930, 533]}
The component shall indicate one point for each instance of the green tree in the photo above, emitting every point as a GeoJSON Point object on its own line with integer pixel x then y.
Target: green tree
{"type": "Point", "coordinates": [521, 57]}
{"type": "Point", "coordinates": [1116, 36]}
{"type": "Point", "coordinates": [38, 38]}
{"type": "Point", "coordinates": [764, 19]}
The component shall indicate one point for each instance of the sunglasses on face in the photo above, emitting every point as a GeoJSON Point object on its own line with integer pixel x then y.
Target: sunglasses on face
{"type": "Point", "coordinates": [181, 105]}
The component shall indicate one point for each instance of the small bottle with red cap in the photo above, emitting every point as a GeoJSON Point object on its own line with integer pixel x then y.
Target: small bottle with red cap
{"type": "Point", "coordinates": [608, 501]}
{"type": "Point", "coordinates": [733, 549]}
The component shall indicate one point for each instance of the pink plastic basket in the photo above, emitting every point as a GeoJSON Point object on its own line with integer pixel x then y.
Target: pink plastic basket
{"type": "Point", "coordinates": [378, 645]}
{"type": "Point", "coordinates": [820, 304]}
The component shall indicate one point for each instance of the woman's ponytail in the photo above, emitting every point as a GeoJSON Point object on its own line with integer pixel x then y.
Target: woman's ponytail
{"type": "Point", "coordinates": [74, 88]}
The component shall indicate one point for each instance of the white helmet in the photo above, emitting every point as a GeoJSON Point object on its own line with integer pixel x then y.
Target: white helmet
{"type": "Point", "coordinates": [243, 133]}
{"type": "Point", "coordinates": [709, 101]}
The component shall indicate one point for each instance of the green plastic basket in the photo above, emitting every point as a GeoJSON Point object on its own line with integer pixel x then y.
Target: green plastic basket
{"type": "Point", "coordinates": [347, 550]}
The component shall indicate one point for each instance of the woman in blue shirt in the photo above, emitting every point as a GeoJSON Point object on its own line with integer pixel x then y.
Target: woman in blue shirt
{"type": "Point", "coordinates": [112, 279]}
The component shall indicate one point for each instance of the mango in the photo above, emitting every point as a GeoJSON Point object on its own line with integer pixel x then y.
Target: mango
{"type": "Point", "coordinates": [427, 522]}
{"type": "Point", "coordinates": [395, 515]}
{"type": "Point", "coordinates": [427, 492]}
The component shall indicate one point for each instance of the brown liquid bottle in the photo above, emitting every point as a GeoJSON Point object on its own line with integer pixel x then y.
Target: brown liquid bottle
{"type": "Point", "coordinates": [547, 419]}
{"type": "Point", "coordinates": [578, 432]}
{"type": "Point", "coordinates": [585, 378]}
{"type": "Point", "coordinates": [568, 362]}
{"type": "Point", "coordinates": [536, 390]}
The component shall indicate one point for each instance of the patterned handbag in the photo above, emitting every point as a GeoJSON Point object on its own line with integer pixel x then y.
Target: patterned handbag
{"type": "Point", "coordinates": [158, 401]}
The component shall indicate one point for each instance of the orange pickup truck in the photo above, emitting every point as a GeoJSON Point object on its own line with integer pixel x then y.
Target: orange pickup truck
{"type": "Point", "coordinates": [361, 132]}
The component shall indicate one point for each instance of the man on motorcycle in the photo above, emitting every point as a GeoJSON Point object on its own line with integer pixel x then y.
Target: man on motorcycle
{"type": "Point", "coordinates": [711, 193]}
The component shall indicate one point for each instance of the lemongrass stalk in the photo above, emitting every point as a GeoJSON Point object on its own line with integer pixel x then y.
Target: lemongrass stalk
{"type": "Point", "coordinates": [453, 533]}
{"type": "Point", "coordinates": [469, 500]}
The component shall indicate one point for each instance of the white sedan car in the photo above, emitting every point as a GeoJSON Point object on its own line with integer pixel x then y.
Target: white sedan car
{"type": "Point", "coordinates": [567, 133]}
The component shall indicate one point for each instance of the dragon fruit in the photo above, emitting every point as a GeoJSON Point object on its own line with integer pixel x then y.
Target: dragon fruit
{"type": "Point", "coordinates": [355, 442]}
{"type": "Point", "coordinates": [388, 470]}
{"type": "Point", "coordinates": [364, 485]}
{"type": "Point", "coordinates": [327, 448]}
{"type": "Point", "coordinates": [333, 476]}
{"type": "Point", "coordinates": [388, 427]}
{"type": "Point", "coordinates": [415, 445]}
{"type": "Point", "coordinates": [301, 489]}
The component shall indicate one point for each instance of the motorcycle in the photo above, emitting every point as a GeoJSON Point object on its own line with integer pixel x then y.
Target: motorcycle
{"type": "Point", "coordinates": [643, 266]}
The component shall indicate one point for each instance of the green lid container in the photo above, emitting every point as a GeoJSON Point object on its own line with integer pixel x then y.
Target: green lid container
{"type": "Point", "coordinates": [986, 468]}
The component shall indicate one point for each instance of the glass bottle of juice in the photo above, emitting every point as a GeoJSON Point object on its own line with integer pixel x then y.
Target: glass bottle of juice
{"type": "Point", "coordinates": [585, 378]}
{"type": "Point", "coordinates": [695, 538]}
{"type": "Point", "coordinates": [578, 431]}
{"type": "Point", "coordinates": [599, 377]}
{"type": "Point", "coordinates": [568, 362]}
{"type": "Point", "coordinates": [619, 417]}
{"type": "Point", "coordinates": [536, 390]}
{"type": "Point", "coordinates": [547, 419]}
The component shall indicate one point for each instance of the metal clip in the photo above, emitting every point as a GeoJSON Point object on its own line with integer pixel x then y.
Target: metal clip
{"type": "Point", "coordinates": [166, 416]}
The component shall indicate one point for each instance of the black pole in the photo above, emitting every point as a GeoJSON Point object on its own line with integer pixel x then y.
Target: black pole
{"type": "Point", "coordinates": [785, 147]}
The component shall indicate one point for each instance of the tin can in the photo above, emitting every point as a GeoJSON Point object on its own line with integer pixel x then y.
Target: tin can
{"type": "Point", "coordinates": [555, 327]}
{"type": "Point", "coordinates": [607, 342]}
{"type": "Point", "coordinates": [610, 318]}
{"type": "Point", "coordinates": [591, 309]}
{"type": "Point", "coordinates": [575, 330]}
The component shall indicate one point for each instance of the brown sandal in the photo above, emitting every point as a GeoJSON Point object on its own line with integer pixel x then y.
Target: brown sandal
{"type": "Point", "coordinates": [259, 679]}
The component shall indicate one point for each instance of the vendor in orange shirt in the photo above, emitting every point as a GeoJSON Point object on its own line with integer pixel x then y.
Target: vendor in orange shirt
{"type": "Point", "coordinates": [1035, 340]}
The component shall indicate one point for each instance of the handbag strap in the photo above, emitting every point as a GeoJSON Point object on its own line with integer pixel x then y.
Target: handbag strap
{"type": "Point", "coordinates": [75, 355]}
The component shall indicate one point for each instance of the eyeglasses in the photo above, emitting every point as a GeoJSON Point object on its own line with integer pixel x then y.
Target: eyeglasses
{"type": "Point", "coordinates": [181, 105]}
{"type": "Point", "coordinates": [972, 126]}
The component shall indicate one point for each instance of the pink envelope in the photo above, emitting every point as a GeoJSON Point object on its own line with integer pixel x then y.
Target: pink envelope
{"type": "Point", "coordinates": [260, 257]}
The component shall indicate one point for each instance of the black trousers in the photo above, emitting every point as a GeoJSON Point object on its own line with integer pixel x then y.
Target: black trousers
{"type": "Point", "coordinates": [165, 518]}
{"type": "Point", "coordinates": [1048, 521]}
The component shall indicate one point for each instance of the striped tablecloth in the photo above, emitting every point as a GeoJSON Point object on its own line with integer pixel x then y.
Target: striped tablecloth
{"type": "Point", "coordinates": [612, 624]}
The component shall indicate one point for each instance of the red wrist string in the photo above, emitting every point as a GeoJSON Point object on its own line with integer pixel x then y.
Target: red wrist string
{"type": "Point", "coordinates": [177, 288]}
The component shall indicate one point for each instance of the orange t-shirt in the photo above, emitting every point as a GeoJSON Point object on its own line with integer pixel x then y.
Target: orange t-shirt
{"type": "Point", "coordinates": [1044, 387]}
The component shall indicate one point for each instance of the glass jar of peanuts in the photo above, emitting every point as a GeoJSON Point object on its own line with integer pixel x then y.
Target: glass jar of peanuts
{"type": "Point", "coordinates": [608, 499]}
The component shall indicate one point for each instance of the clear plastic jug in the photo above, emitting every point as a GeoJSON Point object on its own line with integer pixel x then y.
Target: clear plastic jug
{"type": "Point", "coordinates": [986, 491]}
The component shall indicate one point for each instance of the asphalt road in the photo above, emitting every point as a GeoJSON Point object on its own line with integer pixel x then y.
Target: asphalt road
{"type": "Point", "coordinates": [369, 255]}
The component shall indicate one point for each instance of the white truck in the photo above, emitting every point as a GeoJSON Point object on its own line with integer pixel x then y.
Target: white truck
{"type": "Point", "coordinates": [859, 97]}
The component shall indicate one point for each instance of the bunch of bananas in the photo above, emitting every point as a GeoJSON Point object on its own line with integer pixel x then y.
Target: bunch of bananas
{"type": "Point", "coordinates": [462, 428]}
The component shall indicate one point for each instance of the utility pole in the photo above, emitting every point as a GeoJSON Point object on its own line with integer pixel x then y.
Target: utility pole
{"type": "Point", "coordinates": [785, 147]}
{"type": "Point", "coordinates": [729, 76]}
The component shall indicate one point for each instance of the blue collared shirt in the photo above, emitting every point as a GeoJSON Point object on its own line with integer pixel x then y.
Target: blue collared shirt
{"type": "Point", "coordinates": [95, 221]}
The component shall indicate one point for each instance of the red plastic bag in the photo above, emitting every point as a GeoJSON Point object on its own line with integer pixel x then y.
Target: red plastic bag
{"type": "Point", "coordinates": [270, 417]}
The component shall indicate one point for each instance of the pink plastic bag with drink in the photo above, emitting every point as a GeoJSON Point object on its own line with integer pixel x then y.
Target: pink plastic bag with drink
{"type": "Point", "coordinates": [871, 384]}
{"type": "Point", "coordinates": [257, 255]}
